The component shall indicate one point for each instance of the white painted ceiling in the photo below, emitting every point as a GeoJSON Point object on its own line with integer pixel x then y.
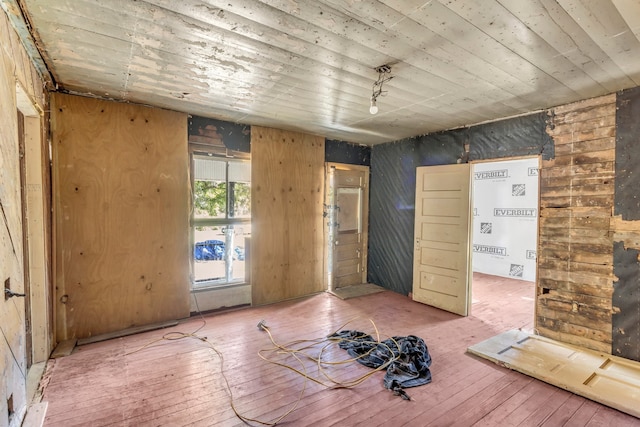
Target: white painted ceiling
{"type": "Point", "coordinates": [308, 65]}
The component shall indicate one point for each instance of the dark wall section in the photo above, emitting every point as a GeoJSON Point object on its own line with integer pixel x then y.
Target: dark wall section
{"type": "Point", "coordinates": [346, 152]}
{"type": "Point", "coordinates": [393, 174]}
{"type": "Point", "coordinates": [626, 297]}
{"type": "Point", "coordinates": [517, 137]}
{"type": "Point", "coordinates": [627, 193]}
{"type": "Point", "coordinates": [626, 291]}
{"type": "Point", "coordinates": [391, 203]}
{"type": "Point", "coordinates": [234, 136]}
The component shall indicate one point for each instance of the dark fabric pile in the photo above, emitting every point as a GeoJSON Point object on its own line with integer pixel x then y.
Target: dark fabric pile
{"type": "Point", "coordinates": [410, 359]}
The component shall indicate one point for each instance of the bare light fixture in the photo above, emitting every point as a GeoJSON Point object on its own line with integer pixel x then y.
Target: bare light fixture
{"type": "Point", "coordinates": [373, 109]}
{"type": "Point", "coordinates": [384, 75]}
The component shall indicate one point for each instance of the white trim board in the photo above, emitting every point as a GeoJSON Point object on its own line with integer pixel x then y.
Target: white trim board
{"type": "Point", "coordinates": [610, 380]}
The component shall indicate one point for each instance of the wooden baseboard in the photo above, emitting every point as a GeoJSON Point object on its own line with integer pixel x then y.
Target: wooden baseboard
{"type": "Point", "coordinates": [128, 331]}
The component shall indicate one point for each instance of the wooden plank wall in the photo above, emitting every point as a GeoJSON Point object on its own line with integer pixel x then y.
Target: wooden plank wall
{"type": "Point", "coordinates": [287, 190]}
{"type": "Point", "coordinates": [15, 68]}
{"type": "Point", "coordinates": [121, 200]}
{"type": "Point", "coordinates": [575, 257]}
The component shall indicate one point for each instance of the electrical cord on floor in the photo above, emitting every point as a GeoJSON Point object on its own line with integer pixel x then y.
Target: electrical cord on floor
{"type": "Point", "coordinates": [204, 321]}
{"type": "Point", "coordinates": [182, 334]}
{"type": "Point", "coordinates": [298, 353]}
{"type": "Point", "coordinates": [176, 335]}
{"type": "Point", "coordinates": [326, 342]}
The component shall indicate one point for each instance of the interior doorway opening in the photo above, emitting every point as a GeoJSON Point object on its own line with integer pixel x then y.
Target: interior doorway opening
{"type": "Point", "coordinates": [346, 225]}
{"type": "Point", "coordinates": [505, 229]}
{"type": "Point", "coordinates": [507, 302]}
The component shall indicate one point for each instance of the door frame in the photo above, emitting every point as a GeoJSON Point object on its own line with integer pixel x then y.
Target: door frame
{"type": "Point", "coordinates": [329, 217]}
{"type": "Point", "coordinates": [33, 169]}
{"type": "Point", "coordinates": [505, 159]}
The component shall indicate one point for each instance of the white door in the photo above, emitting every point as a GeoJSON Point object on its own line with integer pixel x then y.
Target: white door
{"type": "Point", "coordinates": [441, 267]}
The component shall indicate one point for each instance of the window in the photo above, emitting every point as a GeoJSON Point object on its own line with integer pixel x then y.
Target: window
{"type": "Point", "coordinates": [221, 219]}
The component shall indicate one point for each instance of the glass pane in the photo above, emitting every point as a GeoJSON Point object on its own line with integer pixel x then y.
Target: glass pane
{"type": "Point", "coordinates": [348, 202]}
{"type": "Point", "coordinates": [209, 199]}
{"type": "Point", "coordinates": [221, 190]}
{"type": "Point", "coordinates": [240, 203]}
{"type": "Point", "coordinates": [208, 254]}
{"type": "Point", "coordinates": [213, 264]}
{"type": "Point", "coordinates": [240, 189]}
{"type": "Point", "coordinates": [240, 234]}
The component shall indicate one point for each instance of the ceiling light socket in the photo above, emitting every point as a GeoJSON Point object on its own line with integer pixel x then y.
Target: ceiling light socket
{"type": "Point", "coordinates": [383, 69]}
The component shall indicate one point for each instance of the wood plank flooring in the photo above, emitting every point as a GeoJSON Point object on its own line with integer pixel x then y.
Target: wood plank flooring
{"type": "Point", "coordinates": [178, 382]}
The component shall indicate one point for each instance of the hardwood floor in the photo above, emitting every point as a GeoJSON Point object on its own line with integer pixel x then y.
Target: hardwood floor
{"type": "Point", "coordinates": [178, 382]}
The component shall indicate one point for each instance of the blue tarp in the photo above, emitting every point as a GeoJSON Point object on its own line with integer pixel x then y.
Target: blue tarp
{"type": "Point", "coordinates": [407, 358]}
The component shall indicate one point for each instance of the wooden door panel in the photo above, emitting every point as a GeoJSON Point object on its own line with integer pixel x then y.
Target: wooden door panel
{"type": "Point", "coordinates": [348, 178]}
{"type": "Point", "coordinates": [349, 238]}
{"type": "Point", "coordinates": [608, 379]}
{"type": "Point", "coordinates": [447, 180]}
{"type": "Point", "coordinates": [442, 249]}
{"type": "Point", "coordinates": [440, 206]}
{"type": "Point", "coordinates": [446, 233]}
{"type": "Point", "coordinates": [438, 283]}
{"type": "Point", "coordinates": [349, 244]}
{"type": "Point", "coordinates": [435, 219]}
{"type": "Point", "coordinates": [439, 258]}
{"type": "Point", "coordinates": [443, 246]}
{"type": "Point", "coordinates": [348, 251]}
{"type": "Point", "coordinates": [348, 267]}
{"type": "Point", "coordinates": [348, 280]}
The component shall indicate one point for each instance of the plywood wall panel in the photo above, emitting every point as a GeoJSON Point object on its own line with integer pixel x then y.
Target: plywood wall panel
{"type": "Point", "coordinates": [287, 174]}
{"type": "Point", "coordinates": [121, 203]}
